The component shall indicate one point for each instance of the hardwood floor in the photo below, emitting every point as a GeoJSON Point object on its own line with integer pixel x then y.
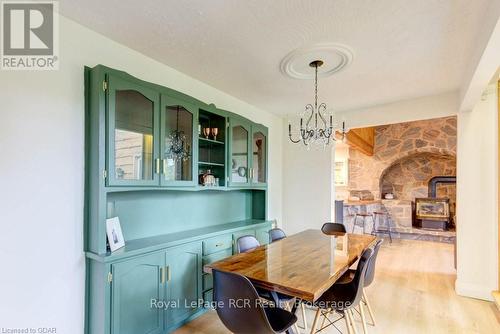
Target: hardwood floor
{"type": "Point", "coordinates": [413, 292]}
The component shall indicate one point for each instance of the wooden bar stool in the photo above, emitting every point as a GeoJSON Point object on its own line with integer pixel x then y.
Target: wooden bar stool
{"type": "Point", "coordinates": [363, 215]}
{"type": "Point", "coordinates": [378, 215]}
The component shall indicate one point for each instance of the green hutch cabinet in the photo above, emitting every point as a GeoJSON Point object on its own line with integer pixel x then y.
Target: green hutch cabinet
{"type": "Point", "coordinates": [146, 147]}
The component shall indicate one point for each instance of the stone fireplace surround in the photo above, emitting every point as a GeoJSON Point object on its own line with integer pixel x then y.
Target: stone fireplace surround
{"type": "Point", "coordinates": [406, 156]}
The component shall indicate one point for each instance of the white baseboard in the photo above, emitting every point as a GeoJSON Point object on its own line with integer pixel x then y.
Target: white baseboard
{"type": "Point", "coordinates": [473, 291]}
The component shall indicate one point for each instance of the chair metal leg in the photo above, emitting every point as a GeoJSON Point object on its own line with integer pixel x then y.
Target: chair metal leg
{"type": "Point", "coordinates": [304, 316]}
{"type": "Point", "coordinates": [325, 316]}
{"type": "Point", "coordinates": [363, 318]}
{"type": "Point", "coordinates": [351, 320]}
{"type": "Point", "coordinates": [347, 323]}
{"type": "Point", "coordinates": [313, 327]}
{"type": "Point", "coordinates": [296, 327]}
{"type": "Point", "coordinates": [368, 307]}
{"type": "Point", "coordinates": [354, 328]}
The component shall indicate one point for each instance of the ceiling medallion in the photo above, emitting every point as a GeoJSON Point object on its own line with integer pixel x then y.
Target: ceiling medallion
{"type": "Point", "coordinates": [335, 57]}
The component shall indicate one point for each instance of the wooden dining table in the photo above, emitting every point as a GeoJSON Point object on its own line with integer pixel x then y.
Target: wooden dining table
{"type": "Point", "coordinates": [301, 265]}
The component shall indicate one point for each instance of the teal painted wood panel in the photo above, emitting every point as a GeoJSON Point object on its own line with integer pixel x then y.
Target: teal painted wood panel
{"type": "Point", "coordinates": [146, 214]}
{"type": "Point", "coordinates": [208, 282]}
{"type": "Point", "coordinates": [135, 283]}
{"type": "Point", "coordinates": [217, 256]}
{"type": "Point", "coordinates": [139, 106]}
{"type": "Point", "coordinates": [208, 296]}
{"type": "Point", "coordinates": [95, 164]}
{"type": "Point", "coordinates": [184, 282]}
{"type": "Point", "coordinates": [97, 298]}
{"type": "Point", "coordinates": [262, 234]}
{"type": "Point", "coordinates": [259, 204]}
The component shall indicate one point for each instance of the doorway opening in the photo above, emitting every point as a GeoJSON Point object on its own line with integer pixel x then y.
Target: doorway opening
{"type": "Point", "coordinates": [402, 176]}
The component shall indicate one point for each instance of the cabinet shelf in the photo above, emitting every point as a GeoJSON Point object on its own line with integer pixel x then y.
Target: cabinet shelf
{"type": "Point", "coordinates": [150, 244]}
{"type": "Point", "coordinates": [201, 139]}
{"type": "Point", "coordinates": [204, 163]}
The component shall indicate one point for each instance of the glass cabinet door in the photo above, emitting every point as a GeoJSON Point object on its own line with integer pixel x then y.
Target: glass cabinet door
{"type": "Point", "coordinates": [178, 145]}
{"type": "Point", "coordinates": [258, 172]}
{"type": "Point", "coordinates": [132, 133]}
{"type": "Point", "coordinates": [239, 153]}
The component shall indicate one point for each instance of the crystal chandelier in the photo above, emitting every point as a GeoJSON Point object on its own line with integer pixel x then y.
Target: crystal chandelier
{"type": "Point", "coordinates": [177, 149]}
{"type": "Point", "coordinates": [317, 124]}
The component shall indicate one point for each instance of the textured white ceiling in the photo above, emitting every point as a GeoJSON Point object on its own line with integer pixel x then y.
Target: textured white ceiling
{"type": "Point", "coordinates": [402, 48]}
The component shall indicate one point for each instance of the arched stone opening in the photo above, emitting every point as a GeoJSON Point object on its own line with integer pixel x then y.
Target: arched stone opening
{"type": "Point", "coordinates": [407, 178]}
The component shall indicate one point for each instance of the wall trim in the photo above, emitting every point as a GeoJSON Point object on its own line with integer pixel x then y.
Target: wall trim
{"type": "Point", "coordinates": [473, 290]}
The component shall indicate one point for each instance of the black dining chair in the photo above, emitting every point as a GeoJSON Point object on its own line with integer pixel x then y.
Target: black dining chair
{"type": "Point", "coordinates": [240, 310]}
{"type": "Point", "coordinates": [332, 228]}
{"type": "Point", "coordinates": [369, 277]}
{"type": "Point", "coordinates": [246, 243]}
{"type": "Point", "coordinates": [276, 234]}
{"type": "Point", "coordinates": [343, 297]}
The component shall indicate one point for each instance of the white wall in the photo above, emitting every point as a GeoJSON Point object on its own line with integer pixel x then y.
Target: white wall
{"type": "Point", "coordinates": [426, 107]}
{"type": "Point", "coordinates": [477, 181]}
{"type": "Point", "coordinates": [42, 175]}
{"type": "Point", "coordinates": [342, 154]}
{"type": "Point", "coordinates": [308, 193]}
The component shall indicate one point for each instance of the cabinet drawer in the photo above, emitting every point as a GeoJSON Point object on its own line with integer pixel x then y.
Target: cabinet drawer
{"type": "Point", "coordinates": [217, 256]}
{"type": "Point", "coordinates": [208, 282]}
{"type": "Point", "coordinates": [217, 244]}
